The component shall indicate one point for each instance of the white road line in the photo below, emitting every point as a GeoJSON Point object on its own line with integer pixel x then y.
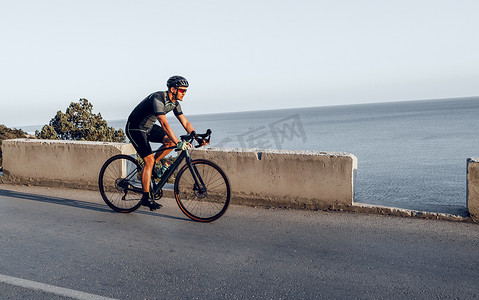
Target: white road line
{"type": "Point", "coordinates": [50, 288]}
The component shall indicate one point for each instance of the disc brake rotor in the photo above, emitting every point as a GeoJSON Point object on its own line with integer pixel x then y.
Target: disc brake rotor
{"type": "Point", "coordinates": [198, 193]}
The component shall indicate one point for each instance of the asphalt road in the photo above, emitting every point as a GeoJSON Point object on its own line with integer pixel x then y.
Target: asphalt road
{"type": "Point", "coordinates": [61, 244]}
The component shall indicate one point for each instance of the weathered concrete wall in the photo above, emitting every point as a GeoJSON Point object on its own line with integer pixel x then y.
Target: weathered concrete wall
{"type": "Point", "coordinates": [298, 179]}
{"type": "Point", "coordinates": [295, 179]}
{"type": "Point", "coordinates": [473, 188]}
{"type": "Point", "coordinates": [57, 163]}
{"type": "Point", "coordinates": [258, 177]}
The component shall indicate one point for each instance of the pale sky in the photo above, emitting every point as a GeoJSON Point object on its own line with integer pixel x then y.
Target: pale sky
{"type": "Point", "coordinates": [237, 55]}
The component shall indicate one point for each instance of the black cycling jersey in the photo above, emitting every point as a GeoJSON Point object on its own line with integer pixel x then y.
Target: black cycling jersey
{"type": "Point", "coordinates": [145, 114]}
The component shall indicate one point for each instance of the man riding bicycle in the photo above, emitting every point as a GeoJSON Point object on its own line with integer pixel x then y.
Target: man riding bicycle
{"type": "Point", "coordinates": [141, 129]}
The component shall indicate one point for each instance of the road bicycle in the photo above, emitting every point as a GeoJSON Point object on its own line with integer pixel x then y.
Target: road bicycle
{"type": "Point", "coordinates": [201, 188]}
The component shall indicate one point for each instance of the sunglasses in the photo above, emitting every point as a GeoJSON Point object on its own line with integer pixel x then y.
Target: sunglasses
{"type": "Point", "coordinates": [182, 91]}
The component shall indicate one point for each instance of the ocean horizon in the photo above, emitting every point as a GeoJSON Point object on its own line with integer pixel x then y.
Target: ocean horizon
{"type": "Point", "coordinates": [411, 154]}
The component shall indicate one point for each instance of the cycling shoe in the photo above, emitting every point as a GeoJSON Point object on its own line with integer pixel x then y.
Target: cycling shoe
{"type": "Point", "coordinates": [150, 203]}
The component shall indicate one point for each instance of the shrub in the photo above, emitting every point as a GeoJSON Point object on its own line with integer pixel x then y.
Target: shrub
{"type": "Point", "coordinates": [81, 124]}
{"type": "Point", "coordinates": [7, 133]}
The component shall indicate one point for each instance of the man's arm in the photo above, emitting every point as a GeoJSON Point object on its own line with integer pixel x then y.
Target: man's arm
{"type": "Point", "coordinates": [189, 128]}
{"type": "Point", "coordinates": [167, 128]}
{"type": "Point", "coordinates": [185, 123]}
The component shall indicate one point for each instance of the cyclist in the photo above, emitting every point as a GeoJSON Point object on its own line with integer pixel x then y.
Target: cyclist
{"type": "Point", "coordinates": [141, 129]}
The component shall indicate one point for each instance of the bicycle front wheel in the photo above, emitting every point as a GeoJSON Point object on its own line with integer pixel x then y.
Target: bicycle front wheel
{"type": "Point", "coordinates": [202, 191]}
{"type": "Point", "coordinates": [120, 183]}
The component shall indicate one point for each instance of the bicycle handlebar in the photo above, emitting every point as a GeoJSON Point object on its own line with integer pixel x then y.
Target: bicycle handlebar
{"type": "Point", "coordinates": [190, 137]}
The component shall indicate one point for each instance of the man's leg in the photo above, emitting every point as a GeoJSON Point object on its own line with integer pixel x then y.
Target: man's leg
{"type": "Point", "coordinates": [146, 174]}
{"type": "Point", "coordinates": [145, 182]}
{"type": "Point", "coordinates": [161, 154]}
{"type": "Point", "coordinates": [139, 140]}
{"type": "Point", "coordinates": [156, 135]}
{"type": "Point", "coordinates": [148, 169]}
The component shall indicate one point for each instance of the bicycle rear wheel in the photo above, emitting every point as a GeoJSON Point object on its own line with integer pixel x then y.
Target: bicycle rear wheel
{"type": "Point", "coordinates": [120, 183]}
{"type": "Point", "coordinates": [205, 202]}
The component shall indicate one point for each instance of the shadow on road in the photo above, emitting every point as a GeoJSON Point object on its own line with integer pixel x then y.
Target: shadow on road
{"type": "Point", "coordinates": [77, 203]}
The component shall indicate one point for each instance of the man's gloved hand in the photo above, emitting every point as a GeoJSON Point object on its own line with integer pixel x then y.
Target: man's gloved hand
{"type": "Point", "coordinates": [182, 146]}
{"type": "Point", "coordinates": [202, 142]}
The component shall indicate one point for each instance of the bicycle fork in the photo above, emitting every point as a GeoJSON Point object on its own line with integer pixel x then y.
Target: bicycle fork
{"type": "Point", "coordinates": [199, 186]}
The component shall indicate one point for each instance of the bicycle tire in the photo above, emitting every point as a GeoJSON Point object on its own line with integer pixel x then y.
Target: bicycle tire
{"type": "Point", "coordinates": [207, 206]}
{"type": "Point", "coordinates": [119, 178]}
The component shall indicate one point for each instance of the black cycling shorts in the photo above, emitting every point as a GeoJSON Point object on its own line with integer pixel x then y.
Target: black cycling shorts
{"type": "Point", "coordinates": [141, 139]}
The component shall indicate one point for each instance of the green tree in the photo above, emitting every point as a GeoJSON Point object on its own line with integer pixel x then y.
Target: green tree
{"type": "Point", "coordinates": [7, 133]}
{"type": "Point", "coordinates": [81, 124]}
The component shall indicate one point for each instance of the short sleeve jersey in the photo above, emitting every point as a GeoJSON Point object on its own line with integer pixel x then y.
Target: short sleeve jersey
{"type": "Point", "coordinates": [144, 115]}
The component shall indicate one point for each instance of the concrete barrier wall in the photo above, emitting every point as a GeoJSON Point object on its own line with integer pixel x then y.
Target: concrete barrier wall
{"type": "Point", "coordinates": [57, 163]}
{"type": "Point", "coordinates": [297, 179]}
{"type": "Point", "coordinates": [257, 177]}
{"type": "Point", "coordinates": [473, 188]}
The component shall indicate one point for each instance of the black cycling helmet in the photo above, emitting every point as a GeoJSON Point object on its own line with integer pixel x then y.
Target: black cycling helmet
{"type": "Point", "coordinates": [176, 81]}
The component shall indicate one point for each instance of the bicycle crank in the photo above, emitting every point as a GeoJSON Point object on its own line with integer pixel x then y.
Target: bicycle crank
{"type": "Point", "coordinates": [159, 194]}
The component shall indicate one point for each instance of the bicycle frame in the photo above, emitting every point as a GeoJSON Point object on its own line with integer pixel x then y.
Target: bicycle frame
{"type": "Point", "coordinates": [164, 178]}
{"type": "Point", "coordinates": [185, 154]}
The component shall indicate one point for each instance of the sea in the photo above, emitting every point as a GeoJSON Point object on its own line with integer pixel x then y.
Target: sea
{"type": "Point", "coordinates": [411, 154]}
